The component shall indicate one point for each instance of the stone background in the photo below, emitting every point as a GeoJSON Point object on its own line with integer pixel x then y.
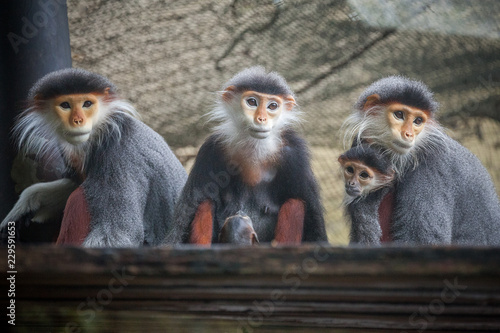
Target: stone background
{"type": "Point", "coordinates": [169, 57]}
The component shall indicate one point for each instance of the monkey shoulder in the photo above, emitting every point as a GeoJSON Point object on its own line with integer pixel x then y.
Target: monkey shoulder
{"type": "Point", "coordinates": [210, 159]}
{"type": "Point", "coordinates": [137, 143]}
{"type": "Point", "coordinates": [454, 166]}
{"type": "Point", "coordinates": [136, 155]}
{"type": "Point", "coordinates": [295, 155]}
{"type": "Point", "coordinates": [447, 193]}
{"type": "Point", "coordinates": [294, 173]}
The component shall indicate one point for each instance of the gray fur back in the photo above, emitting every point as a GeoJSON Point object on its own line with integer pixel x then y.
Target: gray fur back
{"type": "Point", "coordinates": [133, 189]}
{"type": "Point", "coordinates": [448, 198]}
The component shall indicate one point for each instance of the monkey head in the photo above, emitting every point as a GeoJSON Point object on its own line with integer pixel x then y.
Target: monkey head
{"type": "Point", "coordinates": [393, 113]}
{"type": "Point", "coordinates": [73, 101]}
{"type": "Point", "coordinates": [397, 115]}
{"type": "Point", "coordinates": [405, 123]}
{"type": "Point", "coordinates": [365, 170]}
{"type": "Point", "coordinates": [255, 104]}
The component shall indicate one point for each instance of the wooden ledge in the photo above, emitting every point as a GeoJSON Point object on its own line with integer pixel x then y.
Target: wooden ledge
{"type": "Point", "coordinates": [257, 289]}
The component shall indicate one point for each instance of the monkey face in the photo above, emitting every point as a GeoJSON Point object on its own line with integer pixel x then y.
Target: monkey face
{"type": "Point", "coordinates": [262, 112]}
{"type": "Point", "coordinates": [358, 177]}
{"type": "Point", "coordinates": [76, 115]}
{"type": "Point", "coordinates": [406, 124]}
{"type": "Point", "coordinates": [257, 113]}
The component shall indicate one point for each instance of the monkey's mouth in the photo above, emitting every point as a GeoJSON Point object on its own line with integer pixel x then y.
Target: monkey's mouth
{"type": "Point", "coordinates": [401, 146]}
{"type": "Point", "coordinates": [76, 134]}
{"type": "Point", "coordinates": [259, 133]}
{"type": "Point", "coordinates": [77, 137]}
{"type": "Point", "coordinates": [353, 192]}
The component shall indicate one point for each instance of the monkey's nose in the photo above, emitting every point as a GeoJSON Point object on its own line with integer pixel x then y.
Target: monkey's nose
{"type": "Point", "coordinates": [77, 121]}
{"type": "Point", "coordinates": [408, 136]}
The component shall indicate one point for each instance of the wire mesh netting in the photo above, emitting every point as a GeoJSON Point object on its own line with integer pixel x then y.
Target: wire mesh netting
{"type": "Point", "coordinates": [170, 57]}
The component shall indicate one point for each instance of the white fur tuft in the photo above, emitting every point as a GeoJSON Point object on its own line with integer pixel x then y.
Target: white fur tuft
{"type": "Point", "coordinates": [233, 129]}
{"type": "Point", "coordinates": [38, 131]}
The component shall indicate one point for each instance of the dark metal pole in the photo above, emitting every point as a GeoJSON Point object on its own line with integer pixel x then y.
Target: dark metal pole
{"type": "Point", "coordinates": [35, 41]}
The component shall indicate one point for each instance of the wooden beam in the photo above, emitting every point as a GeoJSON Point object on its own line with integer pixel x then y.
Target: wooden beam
{"type": "Point", "coordinates": [258, 289]}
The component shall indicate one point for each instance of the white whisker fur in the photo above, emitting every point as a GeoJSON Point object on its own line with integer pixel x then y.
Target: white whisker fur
{"type": "Point", "coordinates": [233, 130]}
{"type": "Point", "coordinates": [370, 127]}
{"type": "Point", "coordinates": [34, 131]}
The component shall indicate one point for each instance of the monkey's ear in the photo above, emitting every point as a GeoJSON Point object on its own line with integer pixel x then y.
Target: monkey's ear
{"type": "Point", "coordinates": [38, 101]}
{"type": "Point", "coordinates": [228, 93]}
{"type": "Point", "coordinates": [106, 91]}
{"type": "Point", "coordinates": [289, 102]}
{"type": "Point", "coordinates": [371, 100]}
{"type": "Point", "coordinates": [341, 159]}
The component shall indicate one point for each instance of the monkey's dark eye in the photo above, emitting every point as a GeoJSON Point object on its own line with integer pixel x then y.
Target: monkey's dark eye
{"type": "Point", "coordinates": [252, 101]}
{"type": "Point", "coordinates": [349, 169]}
{"type": "Point", "coordinates": [65, 105]}
{"type": "Point", "coordinates": [399, 114]}
{"type": "Point", "coordinates": [87, 104]}
{"type": "Point", "coordinates": [364, 175]}
{"type": "Point", "coordinates": [418, 121]}
{"type": "Point", "coordinates": [272, 106]}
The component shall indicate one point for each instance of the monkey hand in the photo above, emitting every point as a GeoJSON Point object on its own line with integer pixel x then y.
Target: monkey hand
{"type": "Point", "coordinates": [46, 200]}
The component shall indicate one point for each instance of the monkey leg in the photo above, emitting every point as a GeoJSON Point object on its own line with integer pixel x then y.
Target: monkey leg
{"type": "Point", "coordinates": [202, 225]}
{"type": "Point", "coordinates": [385, 216]}
{"type": "Point", "coordinates": [75, 225]}
{"type": "Point", "coordinates": [290, 226]}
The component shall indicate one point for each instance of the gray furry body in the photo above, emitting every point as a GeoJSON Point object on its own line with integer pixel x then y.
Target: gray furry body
{"type": "Point", "coordinates": [448, 199]}
{"type": "Point", "coordinates": [218, 179]}
{"type": "Point", "coordinates": [130, 178]}
{"type": "Point", "coordinates": [364, 218]}
{"type": "Point", "coordinates": [132, 186]}
{"type": "Point", "coordinates": [282, 158]}
{"type": "Point", "coordinates": [443, 194]}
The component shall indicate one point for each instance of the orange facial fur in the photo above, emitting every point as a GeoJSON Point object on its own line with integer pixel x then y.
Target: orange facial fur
{"type": "Point", "coordinates": [361, 179]}
{"type": "Point", "coordinates": [406, 122]}
{"type": "Point", "coordinates": [78, 113]}
{"type": "Point", "coordinates": [262, 111]}
{"type": "Point", "coordinates": [359, 169]}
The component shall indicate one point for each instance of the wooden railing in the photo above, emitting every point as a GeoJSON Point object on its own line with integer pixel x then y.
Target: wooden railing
{"type": "Point", "coordinates": [257, 289]}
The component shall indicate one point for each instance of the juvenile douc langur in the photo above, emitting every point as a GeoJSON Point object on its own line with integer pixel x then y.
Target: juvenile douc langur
{"type": "Point", "coordinates": [365, 171]}
{"type": "Point", "coordinates": [255, 162]}
{"type": "Point", "coordinates": [442, 193]}
{"type": "Point", "coordinates": [238, 229]}
{"type": "Point", "coordinates": [122, 180]}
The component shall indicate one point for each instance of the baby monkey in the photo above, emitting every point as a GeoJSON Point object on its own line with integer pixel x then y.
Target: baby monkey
{"type": "Point", "coordinates": [365, 170]}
